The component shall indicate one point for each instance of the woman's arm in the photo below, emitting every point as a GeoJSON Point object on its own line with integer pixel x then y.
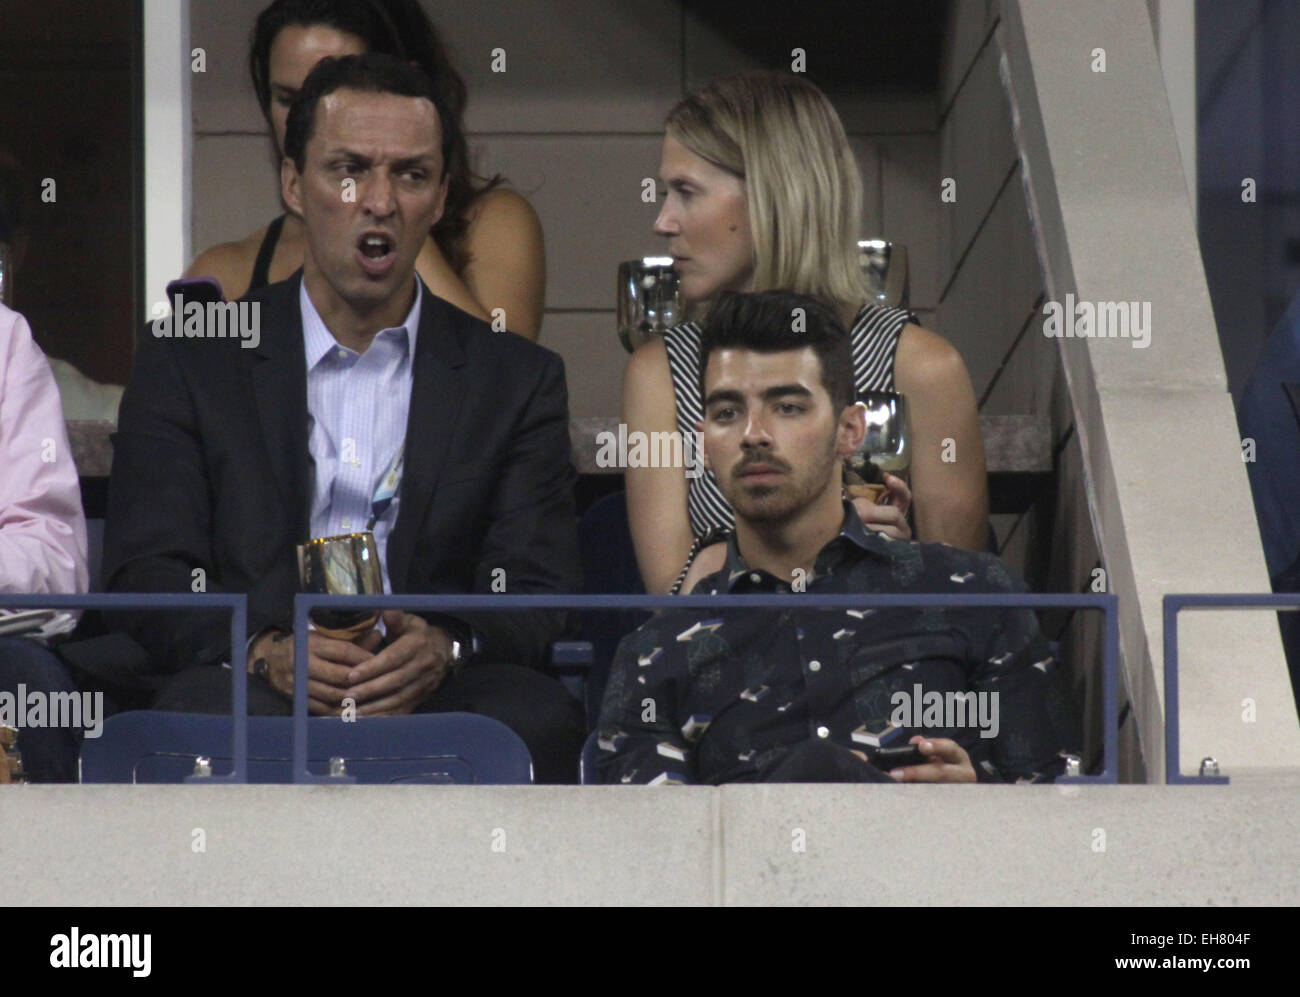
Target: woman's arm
{"type": "Point", "coordinates": [506, 268]}
{"type": "Point", "coordinates": [656, 496]}
{"type": "Point", "coordinates": [951, 495]}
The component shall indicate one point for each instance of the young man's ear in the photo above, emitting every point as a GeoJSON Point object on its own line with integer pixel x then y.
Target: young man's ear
{"type": "Point", "coordinates": [289, 190]}
{"type": "Point", "coordinates": [851, 430]}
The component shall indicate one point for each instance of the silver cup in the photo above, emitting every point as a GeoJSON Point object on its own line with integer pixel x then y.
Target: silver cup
{"type": "Point", "coordinates": [649, 302]}
{"type": "Point", "coordinates": [342, 565]}
{"type": "Point", "coordinates": [885, 265]}
{"type": "Point", "coordinates": [887, 445]}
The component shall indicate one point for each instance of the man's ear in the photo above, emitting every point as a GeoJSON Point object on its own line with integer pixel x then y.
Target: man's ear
{"type": "Point", "coordinates": [851, 430]}
{"type": "Point", "coordinates": [289, 186]}
{"type": "Point", "coordinates": [442, 200]}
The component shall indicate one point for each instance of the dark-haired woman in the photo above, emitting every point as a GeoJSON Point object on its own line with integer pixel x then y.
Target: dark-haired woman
{"type": "Point", "coordinates": [485, 253]}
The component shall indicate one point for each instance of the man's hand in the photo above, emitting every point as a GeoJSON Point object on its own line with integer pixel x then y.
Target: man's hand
{"type": "Point", "coordinates": [891, 515]}
{"type": "Point", "coordinates": [406, 672]}
{"type": "Point", "coordinates": [948, 762]}
{"type": "Point", "coordinates": [329, 662]}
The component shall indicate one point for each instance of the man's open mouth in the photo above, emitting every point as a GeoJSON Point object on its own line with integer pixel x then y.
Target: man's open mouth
{"type": "Point", "coordinates": [376, 252]}
{"type": "Point", "coordinates": [375, 247]}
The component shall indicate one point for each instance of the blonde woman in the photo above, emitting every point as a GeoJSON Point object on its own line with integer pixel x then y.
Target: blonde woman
{"type": "Point", "coordinates": [763, 193]}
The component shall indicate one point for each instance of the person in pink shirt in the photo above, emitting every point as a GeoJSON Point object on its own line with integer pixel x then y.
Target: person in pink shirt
{"type": "Point", "coordinates": [42, 536]}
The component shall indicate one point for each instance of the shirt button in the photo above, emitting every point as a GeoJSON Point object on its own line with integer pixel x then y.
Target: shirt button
{"type": "Point", "coordinates": [823, 732]}
{"type": "Point", "coordinates": [755, 577]}
{"type": "Point", "coordinates": [342, 354]}
{"type": "Point", "coordinates": [347, 524]}
{"type": "Point", "coordinates": [814, 665]}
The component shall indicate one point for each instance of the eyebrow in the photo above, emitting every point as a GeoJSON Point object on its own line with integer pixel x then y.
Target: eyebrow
{"type": "Point", "coordinates": [767, 394]}
{"type": "Point", "coordinates": [425, 159]}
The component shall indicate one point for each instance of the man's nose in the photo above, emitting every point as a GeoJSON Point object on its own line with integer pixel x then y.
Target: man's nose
{"type": "Point", "coordinates": [756, 434]}
{"type": "Point", "coordinates": [377, 194]}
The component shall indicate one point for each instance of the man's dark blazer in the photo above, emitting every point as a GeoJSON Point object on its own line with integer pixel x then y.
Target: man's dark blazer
{"type": "Point", "coordinates": [211, 472]}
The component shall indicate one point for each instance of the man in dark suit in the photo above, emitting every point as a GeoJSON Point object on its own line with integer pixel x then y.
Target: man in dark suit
{"type": "Point", "coordinates": [231, 451]}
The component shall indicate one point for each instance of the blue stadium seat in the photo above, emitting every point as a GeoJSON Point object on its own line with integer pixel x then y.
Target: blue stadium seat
{"type": "Point", "coordinates": [443, 748]}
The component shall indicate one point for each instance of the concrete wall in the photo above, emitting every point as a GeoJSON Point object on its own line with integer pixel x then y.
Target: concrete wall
{"type": "Point", "coordinates": [575, 123]}
{"type": "Point", "coordinates": [789, 845]}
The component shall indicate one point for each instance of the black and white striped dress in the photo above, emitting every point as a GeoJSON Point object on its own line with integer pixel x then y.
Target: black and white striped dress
{"type": "Point", "coordinates": [874, 335]}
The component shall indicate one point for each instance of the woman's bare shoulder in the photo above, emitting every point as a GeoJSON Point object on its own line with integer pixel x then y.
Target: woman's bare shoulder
{"type": "Point", "coordinates": [229, 263]}
{"type": "Point", "coordinates": [500, 206]}
{"type": "Point", "coordinates": [925, 360]}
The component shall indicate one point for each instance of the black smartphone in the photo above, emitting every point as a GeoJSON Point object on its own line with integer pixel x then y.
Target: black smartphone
{"type": "Point", "coordinates": [887, 759]}
{"type": "Point", "coordinates": [201, 289]}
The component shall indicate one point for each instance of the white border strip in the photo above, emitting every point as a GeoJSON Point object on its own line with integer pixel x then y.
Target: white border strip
{"type": "Point", "coordinates": [168, 142]}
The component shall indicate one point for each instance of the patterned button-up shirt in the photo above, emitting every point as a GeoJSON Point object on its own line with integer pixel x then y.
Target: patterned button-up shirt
{"type": "Point", "coordinates": [716, 697]}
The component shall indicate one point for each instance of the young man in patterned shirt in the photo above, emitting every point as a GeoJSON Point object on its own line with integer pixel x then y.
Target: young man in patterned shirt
{"type": "Point", "coordinates": [737, 695]}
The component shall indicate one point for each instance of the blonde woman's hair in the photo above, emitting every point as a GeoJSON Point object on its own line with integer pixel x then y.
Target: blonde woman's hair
{"type": "Point", "coordinates": [780, 135]}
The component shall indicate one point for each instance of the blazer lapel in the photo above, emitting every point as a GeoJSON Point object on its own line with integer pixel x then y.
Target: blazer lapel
{"type": "Point", "coordinates": [437, 392]}
{"type": "Point", "coordinates": [279, 376]}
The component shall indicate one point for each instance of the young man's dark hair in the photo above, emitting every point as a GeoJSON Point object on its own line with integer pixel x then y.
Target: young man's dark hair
{"type": "Point", "coordinates": [372, 72]}
{"type": "Point", "coordinates": [767, 322]}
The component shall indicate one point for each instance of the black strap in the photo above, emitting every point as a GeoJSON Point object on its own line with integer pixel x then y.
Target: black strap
{"type": "Point", "coordinates": [712, 535]}
{"type": "Point", "coordinates": [262, 266]}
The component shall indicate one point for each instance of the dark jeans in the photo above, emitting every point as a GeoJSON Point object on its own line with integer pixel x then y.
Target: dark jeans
{"type": "Point", "coordinates": [49, 752]}
{"type": "Point", "coordinates": [536, 707]}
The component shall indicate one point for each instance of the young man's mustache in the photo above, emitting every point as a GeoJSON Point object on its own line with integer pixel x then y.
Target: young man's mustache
{"type": "Point", "coordinates": [764, 461]}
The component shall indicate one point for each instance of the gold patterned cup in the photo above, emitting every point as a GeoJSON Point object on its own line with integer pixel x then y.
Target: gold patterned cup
{"type": "Point", "coordinates": [342, 565]}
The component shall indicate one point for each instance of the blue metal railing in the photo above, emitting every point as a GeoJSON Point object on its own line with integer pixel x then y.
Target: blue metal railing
{"type": "Point", "coordinates": [1108, 604]}
{"type": "Point", "coordinates": [237, 603]}
{"type": "Point", "coordinates": [1172, 605]}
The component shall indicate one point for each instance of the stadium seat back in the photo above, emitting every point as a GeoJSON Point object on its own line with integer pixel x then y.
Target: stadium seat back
{"type": "Point", "coordinates": [148, 746]}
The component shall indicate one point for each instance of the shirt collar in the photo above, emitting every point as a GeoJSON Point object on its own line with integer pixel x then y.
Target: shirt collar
{"type": "Point", "coordinates": [852, 531]}
{"type": "Point", "coordinates": [318, 340]}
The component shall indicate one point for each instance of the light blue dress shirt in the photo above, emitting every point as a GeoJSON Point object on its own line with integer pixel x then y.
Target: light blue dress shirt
{"type": "Point", "coordinates": [358, 405]}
